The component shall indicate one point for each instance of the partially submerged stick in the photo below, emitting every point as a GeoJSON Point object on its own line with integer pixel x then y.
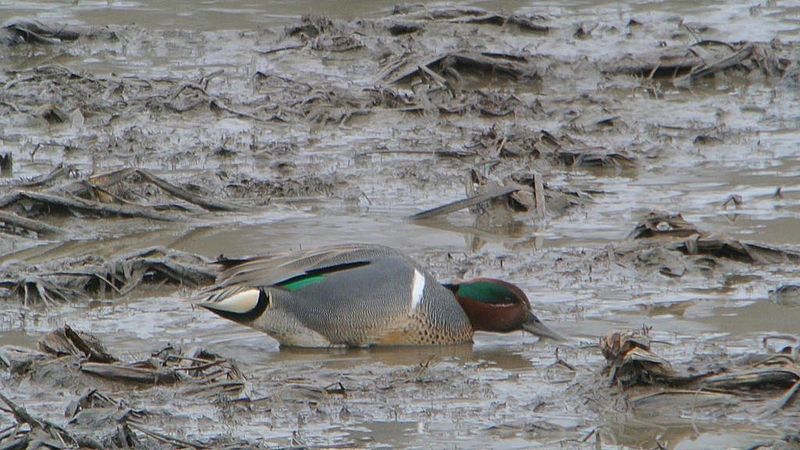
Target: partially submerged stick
{"type": "Point", "coordinates": [538, 194]}
{"type": "Point", "coordinates": [183, 194]}
{"type": "Point", "coordinates": [491, 63]}
{"type": "Point", "coordinates": [105, 180]}
{"type": "Point", "coordinates": [448, 208]}
{"type": "Point", "coordinates": [55, 432]}
{"type": "Point", "coordinates": [9, 218]}
{"type": "Point", "coordinates": [717, 66]}
{"type": "Point", "coordinates": [79, 204]}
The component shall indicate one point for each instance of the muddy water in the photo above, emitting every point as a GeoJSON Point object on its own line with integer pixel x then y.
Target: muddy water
{"type": "Point", "coordinates": [503, 390]}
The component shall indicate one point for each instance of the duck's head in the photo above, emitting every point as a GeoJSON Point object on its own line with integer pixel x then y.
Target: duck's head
{"type": "Point", "coordinates": [498, 306]}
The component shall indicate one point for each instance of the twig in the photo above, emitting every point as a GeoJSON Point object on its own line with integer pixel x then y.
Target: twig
{"type": "Point", "coordinates": [718, 66]}
{"type": "Point", "coordinates": [538, 194]}
{"type": "Point", "coordinates": [80, 204]}
{"type": "Point", "coordinates": [10, 198]}
{"type": "Point", "coordinates": [785, 400]}
{"type": "Point", "coordinates": [105, 180]}
{"type": "Point", "coordinates": [59, 171]}
{"type": "Point", "coordinates": [448, 208]}
{"type": "Point", "coordinates": [39, 227]}
{"type": "Point", "coordinates": [22, 415]}
{"type": "Point", "coordinates": [281, 49]}
{"type": "Point", "coordinates": [439, 153]}
{"type": "Point", "coordinates": [183, 194]}
{"type": "Point", "coordinates": [442, 81]}
{"type": "Point", "coordinates": [222, 106]}
{"type": "Point", "coordinates": [166, 439]}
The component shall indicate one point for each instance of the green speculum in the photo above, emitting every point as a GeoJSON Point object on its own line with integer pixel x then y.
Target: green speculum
{"type": "Point", "coordinates": [297, 283]}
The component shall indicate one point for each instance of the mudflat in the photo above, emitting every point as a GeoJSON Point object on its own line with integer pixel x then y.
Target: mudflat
{"type": "Point", "coordinates": [632, 166]}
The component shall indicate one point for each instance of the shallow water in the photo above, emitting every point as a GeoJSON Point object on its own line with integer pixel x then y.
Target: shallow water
{"type": "Point", "coordinates": [756, 153]}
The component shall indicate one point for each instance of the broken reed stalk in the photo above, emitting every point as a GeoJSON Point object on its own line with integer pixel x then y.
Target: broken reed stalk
{"type": "Point", "coordinates": [448, 208]}
{"type": "Point", "coordinates": [281, 49]}
{"type": "Point", "coordinates": [80, 204]}
{"type": "Point", "coordinates": [105, 180]}
{"type": "Point", "coordinates": [21, 415]}
{"type": "Point", "coordinates": [6, 163]}
{"type": "Point", "coordinates": [183, 194]}
{"type": "Point", "coordinates": [178, 443]}
{"type": "Point", "coordinates": [60, 171]}
{"type": "Point", "coordinates": [14, 220]}
{"type": "Point", "coordinates": [717, 66]}
{"type": "Point", "coordinates": [538, 193]}
{"type": "Point", "coordinates": [68, 197]}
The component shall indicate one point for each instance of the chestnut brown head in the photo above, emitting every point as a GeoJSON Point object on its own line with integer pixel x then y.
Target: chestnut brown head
{"type": "Point", "coordinates": [498, 306]}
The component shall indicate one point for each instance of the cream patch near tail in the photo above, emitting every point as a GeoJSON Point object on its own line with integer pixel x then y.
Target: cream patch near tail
{"type": "Point", "coordinates": [240, 303]}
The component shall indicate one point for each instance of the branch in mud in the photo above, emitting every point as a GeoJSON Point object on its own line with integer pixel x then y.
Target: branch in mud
{"type": "Point", "coordinates": [140, 372]}
{"type": "Point", "coordinates": [685, 65]}
{"type": "Point", "coordinates": [451, 63]}
{"type": "Point", "coordinates": [59, 172]}
{"type": "Point", "coordinates": [321, 33]}
{"type": "Point", "coordinates": [183, 194]}
{"type": "Point", "coordinates": [563, 150]}
{"type": "Point", "coordinates": [6, 163]}
{"type": "Point", "coordinates": [169, 440]}
{"type": "Point", "coordinates": [85, 187]}
{"type": "Point", "coordinates": [519, 192]}
{"type": "Point", "coordinates": [101, 202]}
{"type": "Point", "coordinates": [81, 278]}
{"type": "Point", "coordinates": [96, 421]}
{"type": "Point", "coordinates": [281, 49]}
{"type": "Point", "coordinates": [464, 14]}
{"type": "Point", "coordinates": [200, 373]}
{"type": "Point", "coordinates": [57, 435]}
{"type": "Point", "coordinates": [595, 157]}
{"type": "Point", "coordinates": [692, 241]}
{"type": "Point", "coordinates": [90, 398]}
{"type": "Point", "coordinates": [633, 365]}
{"type": "Point", "coordinates": [469, 202]}
{"type": "Point", "coordinates": [189, 96]}
{"type": "Point", "coordinates": [32, 289]}
{"type": "Point", "coordinates": [719, 65]}
{"type": "Point", "coordinates": [524, 22]}
{"type": "Point", "coordinates": [67, 341]}
{"type": "Point", "coordinates": [77, 204]}
{"type": "Point", "coordinates": [11, 220]}
{"type": "Point", "coordinates": [106, 181]}
{"type": "Point", "coordinates": [725, 247]}
{"type": "Point", "coordinates": [664, 224]}
{"type": "Point", "coordinates": [35, 32]}
{"type": "Point", "coordinates": [97, 412]}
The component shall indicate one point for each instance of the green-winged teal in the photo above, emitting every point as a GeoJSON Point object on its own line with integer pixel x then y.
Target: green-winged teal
{"type": "Point", "coordinates": [362, 295]}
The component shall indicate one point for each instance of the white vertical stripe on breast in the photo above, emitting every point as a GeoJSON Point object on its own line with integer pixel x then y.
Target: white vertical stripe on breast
{"type": "Point", "coordinates": [417, 290]}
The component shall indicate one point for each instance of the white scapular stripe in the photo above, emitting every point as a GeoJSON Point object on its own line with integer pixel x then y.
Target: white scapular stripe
{"type": "Point", "coordinates": [238, 303]}
{"type": "Point", "coordinates": [417, 289]}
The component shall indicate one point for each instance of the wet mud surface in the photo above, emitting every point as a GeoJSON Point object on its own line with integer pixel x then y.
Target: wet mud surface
{"type": "Point", "coordinates": [634, 169]}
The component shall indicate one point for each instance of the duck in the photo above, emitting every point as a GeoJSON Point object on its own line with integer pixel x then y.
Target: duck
{"type": "Point", "coordinates": [363, 295]}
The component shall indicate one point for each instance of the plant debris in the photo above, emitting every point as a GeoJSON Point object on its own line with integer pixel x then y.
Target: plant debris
{"type": "Point", "coordinates": [632, 364]}
{"type": "Point", "coordinates": [111, 422]}
{"type": "Point", "coordinates": [77, 278]}
{"type": "Point", "coordinates": [131, 154]}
